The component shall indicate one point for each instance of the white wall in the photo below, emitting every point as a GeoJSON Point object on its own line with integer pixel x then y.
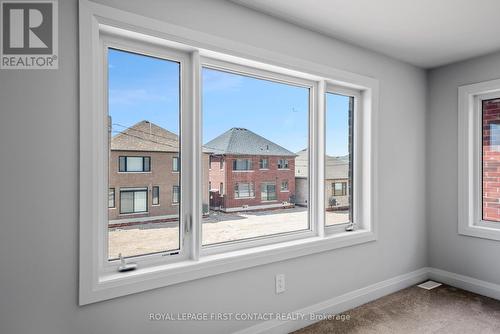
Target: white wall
{"type": "Point", "coordinates": [475, 257]}
{"type": "Point", "coordinates": [39, 190]}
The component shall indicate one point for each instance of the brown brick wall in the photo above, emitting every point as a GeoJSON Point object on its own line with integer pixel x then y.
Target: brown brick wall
{"type": "Point", "coordinates": [491, 162]}
{"type": "Point", "coordinates": [257, 176]}
{"type": "Point", "coordinates": [161, 175]}
{"type": "Point", "coordinates": [216, 177]}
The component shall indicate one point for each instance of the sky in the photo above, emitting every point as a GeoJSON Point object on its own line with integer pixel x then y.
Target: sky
{"type": "Point", "coordinates": [147, 88]}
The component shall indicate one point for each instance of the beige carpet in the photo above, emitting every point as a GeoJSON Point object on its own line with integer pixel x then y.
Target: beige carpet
{"type": "Point", "coordinates": [414, 310]}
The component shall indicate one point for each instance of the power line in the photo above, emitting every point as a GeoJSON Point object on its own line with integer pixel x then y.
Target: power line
{"type": "Point", "coordinates": [144, 139]}
{"type": "Point", "coordinates": [148, 133]}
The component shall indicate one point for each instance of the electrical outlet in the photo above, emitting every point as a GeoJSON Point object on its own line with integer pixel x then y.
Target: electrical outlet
{"type": "Point", "coordinates": [280, 283]}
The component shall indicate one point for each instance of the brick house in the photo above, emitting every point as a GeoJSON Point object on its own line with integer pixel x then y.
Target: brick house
{"type": "Point", "coordinates": [249, 172]}
{"type": "Point", "coordinates": [491, 156]}
{"type": "Point", "coordinates": [337, 186]}
{"type": "Point", "coordinates": [144, 167]}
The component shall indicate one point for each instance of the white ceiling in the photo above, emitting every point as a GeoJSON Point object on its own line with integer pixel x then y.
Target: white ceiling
{"type": "Point", "coordinates": [426, 33]}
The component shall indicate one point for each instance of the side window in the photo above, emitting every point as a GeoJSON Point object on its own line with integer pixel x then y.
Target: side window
{"type": "Point", "coordinates": [338, 159]}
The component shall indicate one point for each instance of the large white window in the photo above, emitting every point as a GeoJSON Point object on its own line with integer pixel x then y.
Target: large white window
{"type": "Point", "coordinates": [479, 160]}
{"type": "Point", "coordinates": [149, 106]}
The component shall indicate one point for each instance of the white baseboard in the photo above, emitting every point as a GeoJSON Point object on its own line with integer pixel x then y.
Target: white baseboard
{"type": "Point", "coordinates": [466, 283]}
{"type": "Point", "coordinates": [341, 303]}
{"type": "Point", "coordinates": [364, 295]}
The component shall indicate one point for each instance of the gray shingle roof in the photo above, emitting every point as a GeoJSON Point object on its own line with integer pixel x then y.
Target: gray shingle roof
{"type": "Point", "coordinates": [145, 136]}
{"type": "Point", "coordinates": [240, 141]}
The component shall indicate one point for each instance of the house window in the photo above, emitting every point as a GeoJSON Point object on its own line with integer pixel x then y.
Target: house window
{"type": "Point", "coordinates": [221, 163]}
{"type": "Point", "coordinates": [264, 163]}
{"type": "Point", "coordinates": [243, 190]}
{"type": "Point", "coordinates": [111, 198]}
{"type": "Point", "coordinates": [284, 185]}
{"type": "Point", "coordinates": [479, 160]}
{"type": "Point", "coordinates": [241, 119]}
{"type": "Point", "coordinates": [133, 200]}
{"type": "Point", "coordinates": [282, 163]}
{"type": "Point", "coordinates": [156, 195]}
{"type": "Point", "coordinates": [175, 194]}
{"type": "Point", "coordinates": [135, 164]}
{"type": "Point", "coordinates": [221, 189]}
{"type": "Point", "coordinates": [338, 158]}
{"type": "Point", "coordinates": [175, 164]}
{"type": "Point", "coordinates": [339, 188]}
{"type": "Point", "coordinates": [242, 164]}
{"type": "Point", "coordinates": [491, 160]}
{"type": "Point", "coordinates": [268, 191]}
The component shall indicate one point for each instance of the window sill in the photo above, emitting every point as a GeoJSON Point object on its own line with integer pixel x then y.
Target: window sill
{"type": "Point", "coordinates": [478, 231]}
{"type": "Point", "coordinates": [134, 172]}
{"type": "Point", "coordinates": [116, 284]}
{"type": "Point", "coordinates": [133, 213]}
{"type": "Point", "coordinates": [243, 171]}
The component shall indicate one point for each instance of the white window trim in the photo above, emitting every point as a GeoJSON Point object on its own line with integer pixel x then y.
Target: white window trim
{"type": "Point", "coordinates": [97, 284]}
{"type": "Point", "coordinates": [470, 99]}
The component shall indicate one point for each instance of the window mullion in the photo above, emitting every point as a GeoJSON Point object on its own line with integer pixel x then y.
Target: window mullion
{"type": "Point", "coordinates": [318, 159]}
{"type": "Point", "coordinates": [196, 155]}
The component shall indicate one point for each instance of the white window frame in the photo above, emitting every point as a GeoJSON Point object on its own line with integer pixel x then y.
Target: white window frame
{"type": "Point", "coordinates": [99, 279]}
{"type": "Point", "coordinates": [470, 220]}
{"type": "Point", "coordinates": [358, 157]}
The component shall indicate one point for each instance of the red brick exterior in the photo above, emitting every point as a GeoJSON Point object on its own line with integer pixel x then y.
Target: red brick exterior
{"type": "Point", "coordinates": [256, 176]}
{"type": "Point", "coordinates": [491, 162]}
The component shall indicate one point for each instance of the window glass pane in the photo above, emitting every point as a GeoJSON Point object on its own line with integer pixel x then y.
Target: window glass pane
{"type": "Point", "coordinates": [156, 195]}
{"type": "Point", "coordinates": [147, 164]}
{"type": "Point", "coordinates": [134, 164]}
{"type": "Point", "coordinates": [140, 201]}
{"type": "Point", "coordinates": [175, 164]}
{"type": "Point", "coordinates": [268, 191]}
{"type": "Point", "coordinates": [123, 163]}
{"type": "Point", "coordinates": [254, 122]}
{"type": "Point", "coordinates": [338, 159]}
{"type": "Point", "coordinates": [175, 194]}
{"type": "Point", "coordinates": [143, 106]}
{"type": "Point", "coordinates": [111, 198]}
{"type": "Point", "coordinates": [126, 202]}
{"type": "Point", "coordinates": [491, 160]}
